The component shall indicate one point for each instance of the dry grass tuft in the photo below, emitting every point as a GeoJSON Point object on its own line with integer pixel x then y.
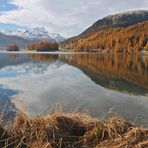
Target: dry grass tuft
{"type": "Point", "coordinates": [69, 130]}
{"type": "Point", "coordinates": [118, 126]}
{"type": "Point", "coordinates": [135, 138]}
{"type": "Point", "coordinates": [59, 130]}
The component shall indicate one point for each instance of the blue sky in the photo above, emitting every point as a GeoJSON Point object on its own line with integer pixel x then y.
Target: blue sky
{"type": "Point", "coordinates": [67, 17]}
{"type": "Point", "coordinates": [10, 26]}
{"type": "Point", "coordinates": [6, 6]}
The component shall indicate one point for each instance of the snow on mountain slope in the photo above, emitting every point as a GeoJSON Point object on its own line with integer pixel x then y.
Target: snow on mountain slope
{"type": "Point", "coordinates": [35, 34]}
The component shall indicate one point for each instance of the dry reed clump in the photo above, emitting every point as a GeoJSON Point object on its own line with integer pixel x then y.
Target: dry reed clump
{"type": "Point", "coordinates": [63, 130]}
{"type": "Point", "coordinates": [118, 126]}
{"type": "Point", "coordinates": [135, 138]}
{"type": "Point", "coordinates": [59, 130]}
{"type": "Point", "coordinates": [115, 127]}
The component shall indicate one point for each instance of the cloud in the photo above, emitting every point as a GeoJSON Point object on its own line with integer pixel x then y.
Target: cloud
{"type": "Point", "coordinates": [67, 17]}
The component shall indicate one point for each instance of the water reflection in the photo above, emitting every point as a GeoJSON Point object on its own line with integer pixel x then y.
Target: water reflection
{"type": "Point", "coordinates": [124, 73]}
{"type": "Point", "coordinates": [97, 82]}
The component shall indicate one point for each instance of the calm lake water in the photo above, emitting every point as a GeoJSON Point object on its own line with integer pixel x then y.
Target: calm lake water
{"type": "Point", "coordinates": [102, 84]}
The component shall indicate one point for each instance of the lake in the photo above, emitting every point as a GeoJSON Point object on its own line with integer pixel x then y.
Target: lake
{"type": "Point", "coordinates": [100, 84]}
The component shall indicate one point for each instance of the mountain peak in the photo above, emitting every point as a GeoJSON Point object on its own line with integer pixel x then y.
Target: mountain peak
{"type": "Point", "coordinates": [40, 29]}
{"type": "Point", "coordinates": [37, 33]}
{"type": "Point", "coordinates": [134, 12]}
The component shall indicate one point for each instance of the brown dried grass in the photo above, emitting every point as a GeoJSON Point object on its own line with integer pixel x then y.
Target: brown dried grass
{"type": "Point", "coordinates": [71, 130]}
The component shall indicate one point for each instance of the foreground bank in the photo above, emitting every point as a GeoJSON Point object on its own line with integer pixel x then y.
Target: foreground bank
{"type": "Point", "coordinates": [71, 130]}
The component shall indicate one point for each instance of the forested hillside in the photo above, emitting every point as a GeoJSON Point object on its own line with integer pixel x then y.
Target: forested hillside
{"type": "Point", "coordinates": [120, 39]}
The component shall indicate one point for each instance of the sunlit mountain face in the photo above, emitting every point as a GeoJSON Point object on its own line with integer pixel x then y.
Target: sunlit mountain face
{"type": "Point", "coordinates": [96, 83]}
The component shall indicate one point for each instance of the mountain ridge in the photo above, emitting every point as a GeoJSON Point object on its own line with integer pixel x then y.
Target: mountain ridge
{"type": "Point", "coordinates": [23, 37]}
{"type": "Point", "coordinates": [123, 19]}
{"type": "Point", "coordinates": [6, 40]}
{"type": "Point", "coordinates": [37, 33]}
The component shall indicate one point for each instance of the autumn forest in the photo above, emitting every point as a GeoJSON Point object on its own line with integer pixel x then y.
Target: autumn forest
{"type": "Point", "coordinates": [131, 39]}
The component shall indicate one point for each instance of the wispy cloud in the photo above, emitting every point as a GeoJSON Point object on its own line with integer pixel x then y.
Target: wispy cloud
{"type": "Point", "coordinates": [67, 17]}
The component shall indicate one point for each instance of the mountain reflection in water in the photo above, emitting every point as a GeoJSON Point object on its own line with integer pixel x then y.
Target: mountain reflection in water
{"type": "Point", "coordinates": [123, 73]}
{"type": "Point", "coordinates": [92, 81]}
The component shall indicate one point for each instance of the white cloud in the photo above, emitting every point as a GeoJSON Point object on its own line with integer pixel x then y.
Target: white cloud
{"type": "Point", "coordinates": [67, 17]}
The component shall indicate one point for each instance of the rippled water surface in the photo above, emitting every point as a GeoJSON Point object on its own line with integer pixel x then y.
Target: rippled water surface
{"type": "Point", "coordinates": [102, 84]}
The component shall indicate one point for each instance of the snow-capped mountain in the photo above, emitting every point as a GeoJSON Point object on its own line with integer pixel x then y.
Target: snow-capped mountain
{"type": "Point", "coordinates": [35, 34]}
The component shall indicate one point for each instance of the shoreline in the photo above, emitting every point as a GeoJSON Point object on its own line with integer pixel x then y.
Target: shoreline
{"type": "Point", "coordinates": [144, 53]}
{"type": "Point", "coordinates": [34, 52]}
